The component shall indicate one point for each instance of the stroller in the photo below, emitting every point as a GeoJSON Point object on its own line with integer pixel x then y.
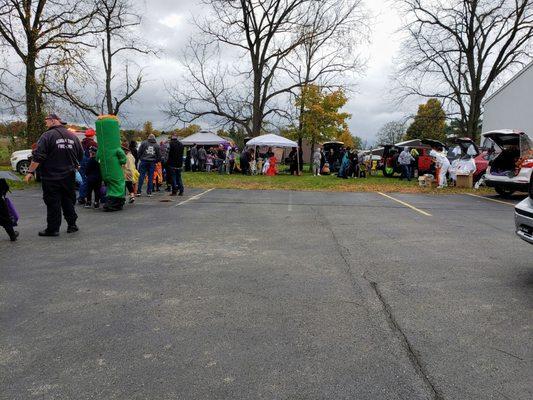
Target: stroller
{"type": "Point", "coordinates": [8, 214]}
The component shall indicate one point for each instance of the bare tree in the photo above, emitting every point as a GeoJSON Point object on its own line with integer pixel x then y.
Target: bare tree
{"type": "Point", "coordinates": [115, 21]}
{"type": "Point", "coordinates": [329, 51]}
{"type": "Point", "coordinates": [458, 49]}
{"type": "Point", "coordinates": [391, 133]}
{"type": "Point", "coordinates": [261, 34]}
{"type": "Point", "coordinates": [42, 34]}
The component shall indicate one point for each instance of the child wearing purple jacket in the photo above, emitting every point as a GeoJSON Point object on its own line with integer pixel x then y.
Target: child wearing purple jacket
{"type": "Point", "coordinates": [6, 219]}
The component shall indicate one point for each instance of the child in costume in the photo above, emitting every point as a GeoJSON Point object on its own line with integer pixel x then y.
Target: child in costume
{"type": "Point", "coordinates": [158, 177]}
{"type": "Point", "coordinates": [272, 170]}
{"type": "Point", "coordinates": [7, 219]}
{"type": "Point", "coordinates": [209, 162]}
{"type": "Point", "coordinates": [253, 165]}
{"type": "Point", "coordinates": [111, 158]}
{"type": "Point", "coordinates": [93, 179]}
{"type": "Point", "coordinates": [131, 175]}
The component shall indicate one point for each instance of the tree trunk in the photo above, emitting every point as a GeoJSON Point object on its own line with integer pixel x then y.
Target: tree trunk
{"type": "Point", "coordinates": [301, 125]}
{"type": "Point", "coordinates": [109, 69]}
{"type": "Point", "coordinates": [34, 117]}
{"type": "Point", "coordinates": [257, 108]}
{"type": "Point", "coordinates": [472, 123]}
{"type": "Point", "coordinates": [311, 158]}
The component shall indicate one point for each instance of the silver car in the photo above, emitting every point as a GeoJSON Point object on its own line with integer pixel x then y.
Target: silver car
{"type": "Point", "coordinates": [524, 216]}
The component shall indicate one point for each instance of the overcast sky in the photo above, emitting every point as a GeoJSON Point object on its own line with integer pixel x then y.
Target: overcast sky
{"type": "Point", "coordinates": [167, 24]}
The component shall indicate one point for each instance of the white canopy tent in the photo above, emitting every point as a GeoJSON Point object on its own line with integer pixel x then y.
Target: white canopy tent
{"type": "Point", "coordinates": [203, 138]}
{"type": "Point", "coordinates": [272, 140]}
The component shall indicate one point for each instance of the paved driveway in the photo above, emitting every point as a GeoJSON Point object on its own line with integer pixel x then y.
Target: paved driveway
{"type": "Point", "coordinates": [270, 295]}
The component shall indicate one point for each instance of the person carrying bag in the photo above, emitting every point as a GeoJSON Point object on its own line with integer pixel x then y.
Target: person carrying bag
{"type": "Point", "coordinates": [8, 214]}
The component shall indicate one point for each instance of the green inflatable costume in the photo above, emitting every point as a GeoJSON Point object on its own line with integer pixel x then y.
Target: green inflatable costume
{"type": "Point", "coordinates": [111, 158]}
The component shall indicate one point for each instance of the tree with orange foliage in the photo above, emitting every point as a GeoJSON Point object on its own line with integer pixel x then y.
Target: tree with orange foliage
{"type": "Point", "coordinates": [321, 118]}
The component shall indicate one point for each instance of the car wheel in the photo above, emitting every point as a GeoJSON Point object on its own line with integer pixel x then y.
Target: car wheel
{"type": "Point", "coordinates": [504, 192]}
{"type": "Point", "coordinates": [23, 167]}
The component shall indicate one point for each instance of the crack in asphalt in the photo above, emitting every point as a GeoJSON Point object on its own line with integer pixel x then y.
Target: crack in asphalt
{"type": "Point", "coordinates": [414, 357]}
{"type": "Point", "coordinates": [394, 325]}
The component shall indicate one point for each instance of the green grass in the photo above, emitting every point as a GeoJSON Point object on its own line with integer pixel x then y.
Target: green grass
{"type": "Point", "coordinates": [308, 182]}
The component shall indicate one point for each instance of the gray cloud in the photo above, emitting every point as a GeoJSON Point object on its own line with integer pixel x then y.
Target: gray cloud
{"type": "Point", "coordinates": [167, 25]}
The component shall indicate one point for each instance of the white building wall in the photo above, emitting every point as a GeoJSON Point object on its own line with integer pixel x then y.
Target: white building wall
{"type": "Point", "coordinates": [512, 106]}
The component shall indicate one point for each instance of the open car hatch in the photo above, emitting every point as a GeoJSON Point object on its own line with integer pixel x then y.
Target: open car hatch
{"type": "Point", "coordinates": [434, 143]}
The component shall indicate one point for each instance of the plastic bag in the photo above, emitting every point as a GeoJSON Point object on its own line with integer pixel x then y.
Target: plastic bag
{"type": "Point", "coordinates": [79, 180]}
{"type": "Point", "coordinates": [13, 214]}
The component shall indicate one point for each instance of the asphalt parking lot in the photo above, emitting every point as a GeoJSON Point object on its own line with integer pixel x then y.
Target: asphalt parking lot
{"type": "Point", "coordinates": [270, 295]}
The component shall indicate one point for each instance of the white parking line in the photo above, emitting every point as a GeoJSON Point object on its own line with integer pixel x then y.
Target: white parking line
{"type": "Point", "coordinates": [406, 204]}
{"type": "Point", "coordinates": [489, 199]}
{"type": "Point", "coordinates": [193, 198]}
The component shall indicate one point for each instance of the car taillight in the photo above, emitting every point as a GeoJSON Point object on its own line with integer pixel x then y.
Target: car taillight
{"type": "Point", "coordinates": [527, 163]}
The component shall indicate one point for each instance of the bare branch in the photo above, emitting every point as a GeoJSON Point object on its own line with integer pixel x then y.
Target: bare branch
{"type": "Point", "coordinates": [458, 50]}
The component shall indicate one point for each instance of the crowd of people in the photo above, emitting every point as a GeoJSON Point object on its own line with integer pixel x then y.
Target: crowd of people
{"type": "Point", "coordinates": [63, 160]}
{"type": "Point", "coordinates": [227, 159]}
{"type": "Point", "coordinates": [223, 159]}
{"type": "Point", "coordinates": [150, 164]}
{"type": "Point", "coordinates": [441, 166]}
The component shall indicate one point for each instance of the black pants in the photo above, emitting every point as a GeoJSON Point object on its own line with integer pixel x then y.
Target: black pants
{"type": "Point", "coordinates": [60, 195]}
{"type": "Point", "coordinates": [245, 167]}
{"type": "Point", "coordinates": [177, 182]}
{"type": "Point", "coordinates": [93, 187]}
{"type": "Point", "coordinates": [168, 175]}
{"type": "Point", "coordinates": [130, 188]}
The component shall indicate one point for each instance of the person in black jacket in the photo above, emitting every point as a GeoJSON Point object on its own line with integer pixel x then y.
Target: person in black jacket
{"type": "Point", "coordinates": [94, 179]}
{"type": "Point", "coordinates": [293, 161]}
{"type": "Point", "coordinates": [245, 162]}
{"type": "Point", "coordinates": [175, 164]}
{"type": "Point", "coordinates": [149, 156]}
{"type": "Point", "coordinates": [58, 156]}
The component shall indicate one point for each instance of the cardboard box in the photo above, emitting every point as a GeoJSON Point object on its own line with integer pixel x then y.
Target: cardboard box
{"type": "Point", "coordinates": [465, 181]}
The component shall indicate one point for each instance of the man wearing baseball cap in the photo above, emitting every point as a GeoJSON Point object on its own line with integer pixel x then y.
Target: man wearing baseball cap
{"type": "Point", "coordinates": [58, 155]}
